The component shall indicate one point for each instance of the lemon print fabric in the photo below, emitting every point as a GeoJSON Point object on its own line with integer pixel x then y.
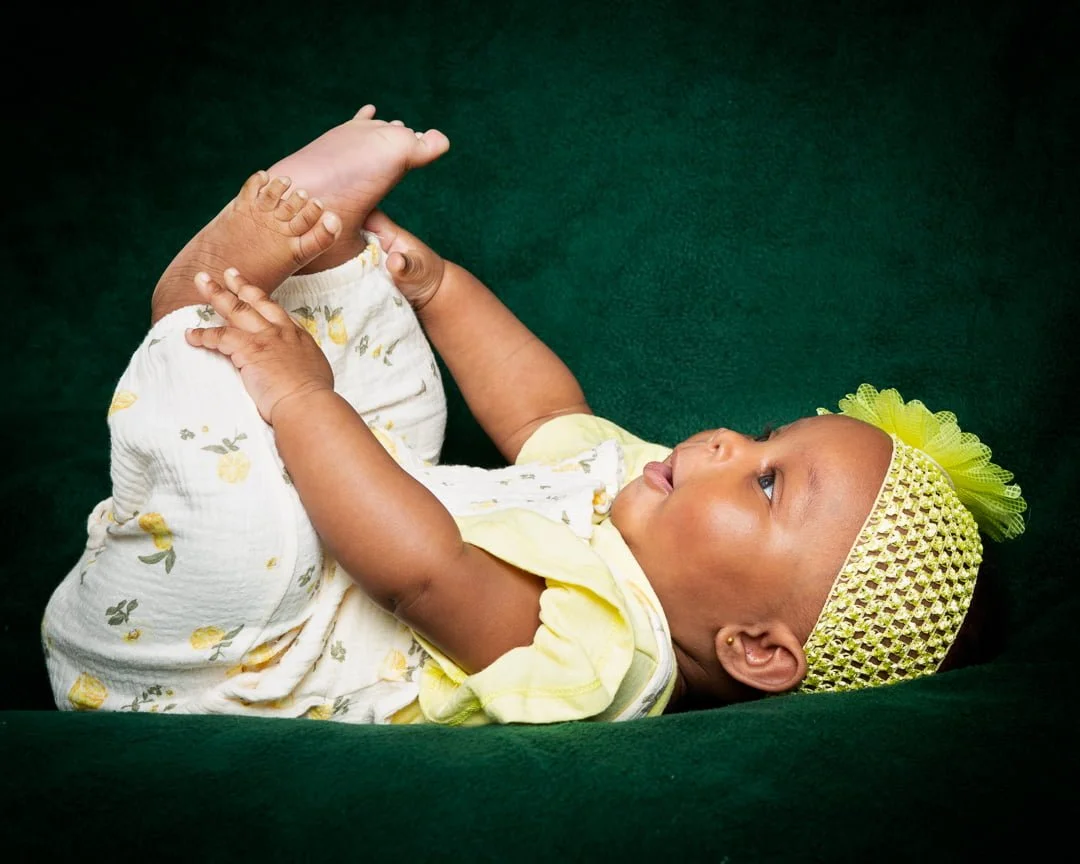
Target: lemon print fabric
{"type": "Point", "coordinates": [388, 443]}
{"type": "Point", "coordinates": [213, 638]}
{"type": "Point", "coordinates": [119, 615]}
{"type": "Point", "coordinates": [153, 700]}
{"type": "Point", "coordinates": [233, 465]}
{"type": "Point", "coordinates": [255, 660]}
{"type": "Point", "coordinates": [87, 693]}
{"type": "Point", "coordinates": [305, 316]}
{"type": "Point", "coordinates": [328, 711]}
{"type": "Point", "coordinates": [121, 399]}
{"type": "Point", "coordinates": [335, 325]}
{"type": "Point", "coordinates": [394, 667]}
{"type": "Point", "coordinates": [320, 712]}
{"type": "Point", "coordinates": [154, 524]}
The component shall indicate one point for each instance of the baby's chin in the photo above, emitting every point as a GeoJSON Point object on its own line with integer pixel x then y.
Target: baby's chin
{"type": "Point", "coordinates": [623, 501]}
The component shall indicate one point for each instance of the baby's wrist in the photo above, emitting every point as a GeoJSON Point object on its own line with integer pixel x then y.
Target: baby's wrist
{"type": "Point", "coordinates": [299, 403]}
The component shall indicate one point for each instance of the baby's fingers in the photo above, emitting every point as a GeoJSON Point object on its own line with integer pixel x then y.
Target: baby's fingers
{"type": "Point", "coordinates": [254, 296]}
{"type": "Point", "coordinates": [237, 312]}
{"type": "Point", "coordinates": [225, 340]}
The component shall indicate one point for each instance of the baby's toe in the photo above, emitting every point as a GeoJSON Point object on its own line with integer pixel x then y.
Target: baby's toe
{"type": "Point", "coordinates": [271, 194]}
{"type": "Point", "coordinates": [290, 205]}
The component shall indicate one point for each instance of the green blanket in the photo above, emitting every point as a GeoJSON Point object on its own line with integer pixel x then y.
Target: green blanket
{"type": "Point", "coordinates": [726, 213]}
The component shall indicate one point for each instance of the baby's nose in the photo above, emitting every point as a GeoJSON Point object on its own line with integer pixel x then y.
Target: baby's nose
{"type": "Point", "coordinates": [725, 443]}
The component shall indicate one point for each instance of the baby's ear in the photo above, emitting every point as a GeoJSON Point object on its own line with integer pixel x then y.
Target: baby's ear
{"type": "Point", "coordinates": [767, 657]}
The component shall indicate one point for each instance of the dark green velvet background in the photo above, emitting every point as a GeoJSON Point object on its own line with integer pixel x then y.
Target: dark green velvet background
{"type": "Point", "coordinates": [726, 212]}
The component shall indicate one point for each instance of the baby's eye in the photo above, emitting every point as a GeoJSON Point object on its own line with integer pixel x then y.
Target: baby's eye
{"type": "Point", "coordinates": [767, 482]}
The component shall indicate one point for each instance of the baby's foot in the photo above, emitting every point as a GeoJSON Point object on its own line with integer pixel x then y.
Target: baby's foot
{"type": "Point", "coordinates": [353, 166]}
{"type": "Point", "coordinates": [263, 232]}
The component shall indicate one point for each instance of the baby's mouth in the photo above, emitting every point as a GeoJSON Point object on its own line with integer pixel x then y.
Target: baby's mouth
{"type": "Point", "coordinates": [659, 476]}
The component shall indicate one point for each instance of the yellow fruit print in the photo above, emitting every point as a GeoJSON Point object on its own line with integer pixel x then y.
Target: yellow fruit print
{"type": "Point", "coordinates": [305, 316]}
{"type": "Point", "coordinates": [320, 712]}
{"type": "Point", "coordinates": [154, 525]}
{"type": "Point", "coordinates": [386, 356]}
{"type": "Point", "coordinates": [87, 693]}
{"type": "Point", "coordinates": [233, 465]}
{"type": "Point", "coordinates": [385, 440]}
{"type": "Point", "coordinates": [335, 325]}
{"type": "Point", "coordinates": [121, 399]}
{"type": "Point", "coordinates": [394, 667]}
{"type": "Point", "coordinates": [266, 654]}
{"type": "Point", "coordinates": [205, 638]}
{"type": "Point", "coordinates": [260, 655]}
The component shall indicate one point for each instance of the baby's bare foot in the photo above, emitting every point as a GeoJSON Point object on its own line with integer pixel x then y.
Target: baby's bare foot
{"type": "Point", "coordinates": [353, 166]}
{"type": "Point", "coordinates": [263, 232]}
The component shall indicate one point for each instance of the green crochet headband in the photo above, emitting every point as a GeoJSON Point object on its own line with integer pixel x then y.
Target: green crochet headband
{"type": "Point", "coordinates": [897, 604]}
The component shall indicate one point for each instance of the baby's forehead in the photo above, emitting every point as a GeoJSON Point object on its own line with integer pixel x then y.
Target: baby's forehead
{"type": "Point", "coordinates": [832, 425]}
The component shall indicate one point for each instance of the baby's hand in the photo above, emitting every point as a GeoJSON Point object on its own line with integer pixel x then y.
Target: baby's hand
{"type": "Point", "coordinates": [416, 269]}
{"type": "Point", "coordinates": [277, 358]}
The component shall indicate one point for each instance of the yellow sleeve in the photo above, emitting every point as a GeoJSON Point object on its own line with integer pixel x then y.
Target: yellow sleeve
{"type": "Point", "coordinates": [582, 649]}
{"type": "Point", "coordinates": [568, 435]}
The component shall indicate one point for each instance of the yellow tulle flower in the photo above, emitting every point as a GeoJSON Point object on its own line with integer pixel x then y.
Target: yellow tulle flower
{"type": "Point", "coordinates": [982, 487]}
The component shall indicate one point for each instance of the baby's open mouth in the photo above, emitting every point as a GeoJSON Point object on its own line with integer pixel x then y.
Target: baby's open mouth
{"type": "Point", "coordinates": [659, 476]}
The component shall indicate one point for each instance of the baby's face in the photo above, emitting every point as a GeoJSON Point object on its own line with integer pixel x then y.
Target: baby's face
{"type": "Point", "coordinates": [731, 528]}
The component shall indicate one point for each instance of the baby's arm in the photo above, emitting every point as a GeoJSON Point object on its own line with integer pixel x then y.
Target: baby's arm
{"type": "Point", "coordinates": [511, 381]}
{"type": "Point", "coordinates": [386, 530]}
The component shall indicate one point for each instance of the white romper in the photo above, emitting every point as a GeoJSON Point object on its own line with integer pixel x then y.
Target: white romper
{"type": "Point", "coordinates": [204, 588]}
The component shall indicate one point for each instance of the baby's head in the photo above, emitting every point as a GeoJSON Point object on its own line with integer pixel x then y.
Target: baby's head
{"type": "Point", "coordinates": [837, 552]}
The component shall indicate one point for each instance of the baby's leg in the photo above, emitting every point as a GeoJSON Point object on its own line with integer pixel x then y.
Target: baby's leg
{"type": "Point", "coordinates": [382, 361]}
{"type": "Point", "coordinates": [203, 586]}
{"type": "Point", "coordinates": [261, 231]}
{"type": "Point", "coordinates": [352, 167]}
{"type": "Point", "coordinates": [383, 364]}
{"type": "Point", "coordinates": [349, 168]}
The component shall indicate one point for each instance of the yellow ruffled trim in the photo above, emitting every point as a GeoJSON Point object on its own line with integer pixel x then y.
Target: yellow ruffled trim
{"type": "Point", "coordinates": [982, 486]}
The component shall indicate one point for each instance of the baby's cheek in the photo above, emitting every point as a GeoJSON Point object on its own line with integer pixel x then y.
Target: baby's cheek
{"type": "Point", "coordinates": [713, 531]}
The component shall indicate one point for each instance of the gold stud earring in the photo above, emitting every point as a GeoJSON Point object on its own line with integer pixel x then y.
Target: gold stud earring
{"type": "Point", "coordinates": [730, 640]}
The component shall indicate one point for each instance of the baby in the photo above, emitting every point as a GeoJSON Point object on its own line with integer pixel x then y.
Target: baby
{"type": "Point", "coordinates": [280, 540]}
